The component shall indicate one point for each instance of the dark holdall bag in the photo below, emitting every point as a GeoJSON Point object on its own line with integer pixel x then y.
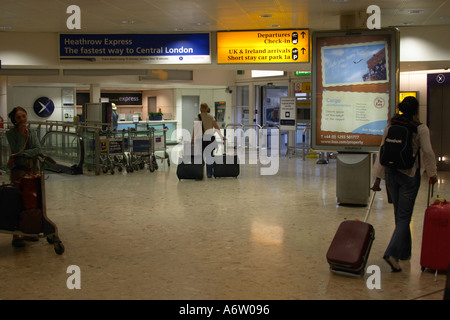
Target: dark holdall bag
{"type": "Point", "coordinates": [29, 189]}
{"type": "Point", "coordinates": [397, 151]}
{"type": "Point", "coordinates": [31, 221]}
{"type": "Point", "coordinates": [10, 207]}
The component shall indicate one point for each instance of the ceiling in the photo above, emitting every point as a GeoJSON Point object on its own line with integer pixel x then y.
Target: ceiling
{"type": "Point", "coordinates": [154, 16]}
{"type": "Point", "coordinates": [173, 16]}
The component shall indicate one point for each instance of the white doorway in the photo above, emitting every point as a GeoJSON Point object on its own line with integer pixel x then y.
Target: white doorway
{"type": "Point", "coordinates": [190, 108]}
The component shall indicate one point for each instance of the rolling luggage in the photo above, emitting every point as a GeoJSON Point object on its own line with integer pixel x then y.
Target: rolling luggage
{"type": "Point", "coordinates": [349, 251]}
{"type": "Point", "coordinates": [435, 251]}
{"type": "Point", "coordinates": [191, 169]}
{"type": "Point", "coordinates": [10, 207]}
{"type": "Point", "coordinates": [226, 166]}
{"type": "Point", "coordinates": [191, 164]}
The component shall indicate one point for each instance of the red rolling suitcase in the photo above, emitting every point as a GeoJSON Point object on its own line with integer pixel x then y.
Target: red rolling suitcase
{"type": "Point", "coordinates": [435, 251]}
{"type": "Point", "coordinates": [349, 251]}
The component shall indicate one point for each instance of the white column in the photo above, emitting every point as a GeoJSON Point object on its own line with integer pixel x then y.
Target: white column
{"type": "Point", "coordinates": [95, 93]}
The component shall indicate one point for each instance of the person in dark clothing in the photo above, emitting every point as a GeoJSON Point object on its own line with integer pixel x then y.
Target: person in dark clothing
{"type": "Point", "coordinates": [403, 185]}
{"type": "Point", "coordinates": [25, 148]}
{"type": "Point", "coordinates": [209, 127]}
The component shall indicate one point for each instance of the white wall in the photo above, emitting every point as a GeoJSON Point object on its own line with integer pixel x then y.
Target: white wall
{"type": "Point", "coordinates": [425, 43]}
{"type": "Point", "coordinates": [164, 100]}
{"type": "Point", "coordinates": [210, 96]}
{"type": "Point", "coordinates": [417, 81]}
{"type": "Point", "coordinates": [25, 97]}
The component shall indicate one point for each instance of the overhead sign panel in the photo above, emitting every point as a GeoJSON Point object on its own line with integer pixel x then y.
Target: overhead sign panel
{"type": "Point", "coordinates": [185, 48]}
{"type": "Point", "coordinates": [280, 46]}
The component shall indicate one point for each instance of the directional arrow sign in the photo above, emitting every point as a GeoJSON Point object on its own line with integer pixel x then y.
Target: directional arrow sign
{"type": "Point", "coordinates": [44, 107]}
{"type": "Point", "coordinates": [275, 46]}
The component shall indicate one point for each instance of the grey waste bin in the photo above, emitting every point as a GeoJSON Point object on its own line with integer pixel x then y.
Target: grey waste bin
{"type": "Point", "coordinates": [353, 178]}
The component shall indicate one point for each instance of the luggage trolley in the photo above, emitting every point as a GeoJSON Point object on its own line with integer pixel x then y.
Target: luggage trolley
{"type": "Point", "coordinates": [48, 228]}
{"type": "Point", "coordinates": [159, 142]}
{"type": "Point", "coordinates": [113, 153]}
{"type": "Point", "coordinates": [143, 149]}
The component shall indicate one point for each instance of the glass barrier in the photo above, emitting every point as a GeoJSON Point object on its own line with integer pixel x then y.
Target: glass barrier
{"type": "Point", "coordinates": [66, 148]}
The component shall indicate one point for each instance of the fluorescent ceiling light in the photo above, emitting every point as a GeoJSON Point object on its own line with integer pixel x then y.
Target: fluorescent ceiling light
{"type": "Point", "coordinates": [266, 73]}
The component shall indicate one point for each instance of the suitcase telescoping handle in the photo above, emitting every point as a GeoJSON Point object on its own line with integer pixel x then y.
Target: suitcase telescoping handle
{"type": "Point", "coordinates": [430, 191]}
{"type": "Point", "coordinates": [230, 125]}
{"type": "Point", "coordinates": [370, 206]}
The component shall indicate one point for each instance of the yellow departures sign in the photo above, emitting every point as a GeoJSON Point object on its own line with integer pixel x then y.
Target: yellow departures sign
{"type": "Point", "coordinates": [267, 46]}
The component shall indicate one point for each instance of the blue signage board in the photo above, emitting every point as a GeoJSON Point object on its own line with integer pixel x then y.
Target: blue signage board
{"type": "Point", "coordinates": [183, 48]}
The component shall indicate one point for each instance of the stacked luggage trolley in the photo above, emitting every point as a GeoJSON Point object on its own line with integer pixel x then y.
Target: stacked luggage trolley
{"type": "Point", "coordinates": [142, 150]}
{"type": "Point", "coordinates": [133, 149]}
{"type": "Point", "coordinates": [113, 152]}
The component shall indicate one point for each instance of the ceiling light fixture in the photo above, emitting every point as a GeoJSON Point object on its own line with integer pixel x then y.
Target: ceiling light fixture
{"type": "Point", "coordinates": [416, 11]}
{"type": "Point", "coordinates": [128, 22]}
{"type": "Point", "coordinates": [274, 26]}
{"type": "Point", "coordinates": [5, 28]}
{"type": "Point", "coordinates": [265, 16]}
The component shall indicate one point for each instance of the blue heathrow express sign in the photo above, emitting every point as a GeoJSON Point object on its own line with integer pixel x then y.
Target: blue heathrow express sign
{"type": "Point", "coordinates": [141, 48]}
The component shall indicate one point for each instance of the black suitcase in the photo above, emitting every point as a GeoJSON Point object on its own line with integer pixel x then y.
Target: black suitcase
{"type": "Point", "coordinates": [191, 168]}
{"type": "Point", "coordinates": [349, 251]}
{"type": "Point", "coordinates": [226, 166]}
{"type": "Point", "coordinates": [10, 207]}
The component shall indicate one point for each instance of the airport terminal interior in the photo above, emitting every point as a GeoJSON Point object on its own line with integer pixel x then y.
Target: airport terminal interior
{"type": "Point", "coordinates": [150, 236]}
{"type": "Point", "coordinates": [130, 229]}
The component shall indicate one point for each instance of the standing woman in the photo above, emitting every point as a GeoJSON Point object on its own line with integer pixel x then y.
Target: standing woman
{"type": "Point", "coordinates": [25, 147]}
{"type": "Point", "coordinates": [403, 185]}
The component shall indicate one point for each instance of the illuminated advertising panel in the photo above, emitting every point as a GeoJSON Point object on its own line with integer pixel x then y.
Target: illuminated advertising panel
{"type": "Point", "coordinates": [354, 82]}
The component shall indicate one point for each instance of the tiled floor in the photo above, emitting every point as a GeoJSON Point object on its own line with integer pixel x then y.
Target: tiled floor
{"type": "Point", "coordinates": [147, 235]}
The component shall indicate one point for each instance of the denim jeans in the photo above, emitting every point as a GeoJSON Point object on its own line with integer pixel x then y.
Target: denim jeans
{"type": "Point", "coordinates": [403, 192]}
{"type": "Point", "coordinates": [206, 142]}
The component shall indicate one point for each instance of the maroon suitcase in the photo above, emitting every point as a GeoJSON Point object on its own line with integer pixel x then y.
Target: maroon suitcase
{"type": "Point", "coordinates": [349, 251]}
{"type": "Point", "coordinates": [435, 251]}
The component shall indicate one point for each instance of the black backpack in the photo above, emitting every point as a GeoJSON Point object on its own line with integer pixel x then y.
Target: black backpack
{"type": "Point", "coordinates": [397, 150]}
